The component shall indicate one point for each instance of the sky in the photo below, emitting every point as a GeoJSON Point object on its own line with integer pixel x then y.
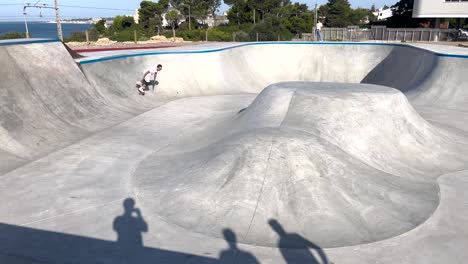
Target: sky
{"type": "Point", "coordinates": [12, 10]}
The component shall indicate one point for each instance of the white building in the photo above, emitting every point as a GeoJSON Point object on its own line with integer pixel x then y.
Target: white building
{"type": "Point", "coordinates": [165, 23]}
{"type": "Point", "coordinates": [440, 8]}
{"type": "Point", "coordinates": [383, 14]}
{"type": "Point", "coordinates": [136, 16]}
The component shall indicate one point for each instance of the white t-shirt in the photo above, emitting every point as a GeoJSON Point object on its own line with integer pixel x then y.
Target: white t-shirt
{"type": "Point", "coordinates": [319, 25]}
{"type": "Point", "coordinates": [151, 75]}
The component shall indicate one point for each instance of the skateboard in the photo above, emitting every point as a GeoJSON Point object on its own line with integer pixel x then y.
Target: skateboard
{"type": "Point", "coordinates": [138, 85]}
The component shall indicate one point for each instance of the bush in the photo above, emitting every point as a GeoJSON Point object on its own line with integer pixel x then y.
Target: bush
{"type": "Point", "coordinates": [81, 36]}
{"type": "Point", "coordinates": [242, 36]}
{"type": "Point", "coordinates": [191, 35]}
{"type": "Point", "coordinates": [124, 35]}
{"type": "Point", "coordinates": [216, 34]}
{"type": "Point", "coordinates": [13, 35]}
{"type": "Point", "coordinates": [185, 25]}
{"type": "Point", "coordinates": [76, 37]}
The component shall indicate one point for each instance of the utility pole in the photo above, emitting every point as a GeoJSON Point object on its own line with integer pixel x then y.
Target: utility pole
{"type": "Point", "coordinates": [57, 18]}
{"type": "Point", "coordinates": [316, 20]}
{"type": "Point", "coordinates": [25, 22]}
{"type": "Point", "coordinates": [190, 16]}
{"type": "Point", "coordinates": [254, 16]}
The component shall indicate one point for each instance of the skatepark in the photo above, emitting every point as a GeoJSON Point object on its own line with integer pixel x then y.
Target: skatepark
{"type": "Point", "coordinates": [275, 152]}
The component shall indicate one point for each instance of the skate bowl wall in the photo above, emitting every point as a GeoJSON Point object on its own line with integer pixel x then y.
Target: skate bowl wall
{"type": "Point", "coordinates": [426, 77]}
{"type": "Point", "coordinates": [48, 101]}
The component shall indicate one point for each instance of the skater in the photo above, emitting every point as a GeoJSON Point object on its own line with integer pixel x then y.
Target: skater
{"type": "Point", "coordinates": [318, 31]}
{"type": "Point", "coordinates": [149, 78]}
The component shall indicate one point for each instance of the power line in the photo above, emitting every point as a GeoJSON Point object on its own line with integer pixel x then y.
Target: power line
{"type": "Point", "coordinates": [72, 6]}
{"type": "Point", "coordinates": [92, 7]}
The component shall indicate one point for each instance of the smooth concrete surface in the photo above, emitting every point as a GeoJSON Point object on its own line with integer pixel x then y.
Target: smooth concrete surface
{"type": "Point", "coordinates": [257, 153]}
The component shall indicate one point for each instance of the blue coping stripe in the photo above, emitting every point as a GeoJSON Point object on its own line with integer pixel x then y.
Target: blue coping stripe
{"type": "Point", "coordinates": [263, 43]}
{"type": "Point", "coordinates": [26, 41]}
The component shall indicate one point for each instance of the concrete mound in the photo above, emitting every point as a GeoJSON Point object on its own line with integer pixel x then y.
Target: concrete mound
{"type": "Point", "coordinates": [310, 155]}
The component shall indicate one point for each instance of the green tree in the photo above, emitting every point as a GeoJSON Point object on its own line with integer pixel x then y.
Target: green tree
{"type": "Point", "coordinates": [360, 16]}
{"type": "Point", "coordinates": [122, 22]}
{"type": "Point", "coordinates": [200, 10]}
{"type": "Point", "coordinates": [100, 26]}
{"type": "Point", "coordinates": [271, 27]}
{"type": "Point", "coordinates": [173, 18]}
{"type": "Point", "coordinates": [297, 18]}
{"type": "Point", "coordinates": [403, 15]}
{"type": "Point", "coordinates": [151, 15]}
{"type": "Point", "coordinates": [338, 13]}
{"type": "Point", "coordinates": [241, 12]}
{"type": "Point", "coordinates": [213, 7]}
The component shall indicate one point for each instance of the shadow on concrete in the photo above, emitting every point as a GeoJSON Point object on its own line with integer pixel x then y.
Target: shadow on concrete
{"type": "Point", "coordinates": [24, 245]}
{"type": "Point", "coordinates": [130, 226]}
{"type": "Point", "coordinates": [233, 254]}
{"type": "Point", "coordinates": [404, 68]}
{"type": "Point", "coordinates": [27, 245]}
{"type": "Point", "coordinates": [297, 249]}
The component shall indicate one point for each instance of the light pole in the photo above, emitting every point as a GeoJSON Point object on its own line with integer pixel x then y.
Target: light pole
{"type": "Point", "coordinates": [254, 15]}
{"type": "Point", "coordinates": [190, 16]}
{"type": "Point", "coordinates": [25, 22]}
{"type": "Point", "coordinates": [57, 18]}
{"type": "Point", "coordinates": [316, 21]}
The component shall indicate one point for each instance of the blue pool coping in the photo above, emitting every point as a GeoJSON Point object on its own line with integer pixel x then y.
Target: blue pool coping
{"type": "Point", "coordinates": [116, 57]}
{"type": "Point", "coordinates": [11, 42]}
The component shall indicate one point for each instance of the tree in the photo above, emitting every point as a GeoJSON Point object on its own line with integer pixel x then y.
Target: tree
{"type": "Point", "coordinates": [361, 16]}
{"type": "Point", "coordinates": [122, 22]}
{"type": "Point", "coordinates": [214, 7]}
{"type": "Point", "coordinates": [240, 13]}
{"type": "Point", "coordinates": [296, 18]}
{"type": "Point", "coordinates": [403, 15]}
{"type": "Point", "coordinates": [338, 13]}
{"type": "Point", "coordinates": [172, 18]}
{"type": "Point", "coordinates": [100, 26]}
{"type": "Point", "coordinates": [183, 6]}
{"type": "Point", "coordinates": [200, 10]}
{"type": "Point", "coordinates": [271, 27]}
{"type": "Point", "coordinates": [151, 14]}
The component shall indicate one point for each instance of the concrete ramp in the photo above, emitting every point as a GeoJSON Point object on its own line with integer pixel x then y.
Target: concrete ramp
{"type": "Point", "coordinates": [263, 152]}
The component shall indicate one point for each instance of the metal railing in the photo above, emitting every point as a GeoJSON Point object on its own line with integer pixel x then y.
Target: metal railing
{"type": "Point", "coordinates": [381, 33]}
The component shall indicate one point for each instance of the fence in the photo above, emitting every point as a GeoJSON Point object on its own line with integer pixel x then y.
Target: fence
{"type": "Point", "coordinates": [353, 33]}
{"type": "Point", "coordinates": [254, 36]}
{"type": "Point", "coordinates": [382, 33]}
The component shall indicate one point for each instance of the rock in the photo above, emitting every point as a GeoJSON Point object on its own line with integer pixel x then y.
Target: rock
{"type": "Point", "coordinates": [159, 38]}
{"type": "Point", "coordinates": [177, 39]}
{"type": "Point", "coordinates": [76, 43]}
{"type": "Point", "coordinates": [105, 41]}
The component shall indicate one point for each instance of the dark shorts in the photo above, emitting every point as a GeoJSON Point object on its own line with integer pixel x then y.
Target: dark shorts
{"type": "Point", "coordinates": [150, 83]}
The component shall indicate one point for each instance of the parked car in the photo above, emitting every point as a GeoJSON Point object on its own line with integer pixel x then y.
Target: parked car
{"type": "Point", "coordinates": [462, 33]}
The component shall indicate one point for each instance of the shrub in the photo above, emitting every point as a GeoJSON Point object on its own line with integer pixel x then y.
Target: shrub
{"type": "Point", "coordinates": [124, 35]}
{"type": "Point", "coordinates": [80, 36]}
{"type": "Point", "coordinates": [216, 34]}
{"type": "Point", "coordinates": [13, 35]}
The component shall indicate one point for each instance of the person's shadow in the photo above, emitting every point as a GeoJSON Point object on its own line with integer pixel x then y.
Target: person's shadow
{"type": "Point", "coordinates": [297, 249]}
{"type": "Point", "coordinates": [129, 227]}
{"type": "Point", "coordinates": [233, 254]}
